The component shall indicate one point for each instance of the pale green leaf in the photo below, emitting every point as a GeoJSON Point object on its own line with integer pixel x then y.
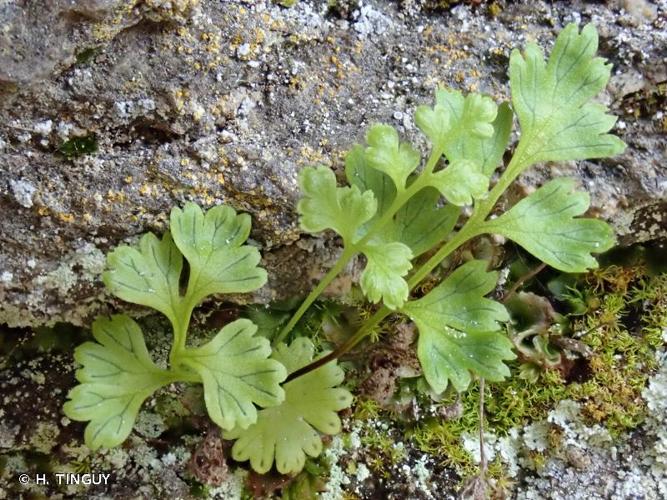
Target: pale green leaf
{"type": "Point", "coordinates": [544, 224]}
{"type": "Point", "coordinates": [459, 301]}
{"type": "Point", "coordinates": [236, 374]}
{"type": "Point", "coordinates": [453, 319]}
{"type": "Point", "coordinates": [447, 355]}
{"type": "Point", "coordinates": [479, 129]}
{"type": "Point", "coordinates": [552, 100]}
{"type": "Point", "coordinates": [461, 182]}
{"type": "Point", "coordinates": [382, 278]}
{"type": "Point", "coordinates": [212, 242]}
{"type": "Point", "coordinates": [489, 151]}
{"type": "Point", "coordinates": [117, 376]}
{"type": "Point", "coordinates": [387, 154]}
{"type": "Point", "coordinates": [360, 174]}
{"type": "Point", "coordinates": [434, 122]}
{"type": "Point", "coordinates": [288, 432]}
{"type": "Point", "coordinates": [420, 223]}
{"type": "Point", "coordinates": [470, 115]}
{"type": "Point", "coordinates": [147, 275]}
{"type": "Point", "coordinates": [325, 206]}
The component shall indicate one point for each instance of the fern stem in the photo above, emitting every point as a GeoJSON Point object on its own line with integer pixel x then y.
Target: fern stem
{"type": "Point", "coordinates": [178, 375]}
{"type": "Point", "coordinates": [482, 454]}
{"type": "Point", "coordinates": [180, 336]}
{"type": "Point", "coordinates": [180, 325]}
{"type": "Point", "coordinates": [404, 196]}
{"type": "Point", "coordinates": [466, 233]}
{"type": "Point", "coordinates": [315, 293]}
{"type": "Point", "coordinates": [351, 249]}
{"type": "Point", "coordinates": [346, 346]}
{"type": "Point", "coordinates": [514, 168]}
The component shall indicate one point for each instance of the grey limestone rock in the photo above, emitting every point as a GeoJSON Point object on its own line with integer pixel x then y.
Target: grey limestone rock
{"type": "Point", "coordinates": [224, 102]}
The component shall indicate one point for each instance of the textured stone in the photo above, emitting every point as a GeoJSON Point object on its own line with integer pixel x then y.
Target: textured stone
{"type": "Point", "coordinates": [223, 102]}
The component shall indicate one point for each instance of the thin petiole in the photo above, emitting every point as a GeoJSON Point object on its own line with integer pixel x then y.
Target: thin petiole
{"type": "Point", "coordinates": [314, 294]}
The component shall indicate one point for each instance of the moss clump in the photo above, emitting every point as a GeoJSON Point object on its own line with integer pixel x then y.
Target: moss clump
{"type": "Point", "coordinates": [86, 55]}
{"type": "Point", "coordinates": [382, 451]}
{"type": "Point", "coordinates": [623, 332]}
{"type": "Point", "coordinates": [79, 146]}
{"type": "Point", "coordinates": [379, 440]}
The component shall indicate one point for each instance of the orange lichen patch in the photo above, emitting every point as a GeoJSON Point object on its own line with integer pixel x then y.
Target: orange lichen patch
{"type": "Point", "coordinates": [69, 218]}
{"type": "Point", "coordinates": [236, 40]}
{"type": "Point", "coordinates": [338, 156]}
{"type": "Point", "coordinates": [138, 82]}
{"type": "Point", "coordinates": [212, 42]}
{"type": "Point", "coordinates": [178, 97]}
{"type": "Point", "coordinates": [106, 30]}
{"type": "Point", "coordinates": [497, 51]}
{"type": "Point", "coordinates": [295, 83]}
{"type": "Point", "coordinates": [260, 36]}
{"type": "Point", "coordinates": [339, 66]}
{"type": "Point", "coordinates": [221, 107]}
{"type": "Point", "coordinates": [310, 155]}
{"type": "Point", "coordinates": [223, 160]}
{"type": "Point", "coordinates": [183, 32]}
{"type": "Point", "coordinates": [146, 189]}
{"type": "Point", "coordinates": [115, 196]}
{"type": "Point", "coordinates": [275, 24]}
{"type": "Point", "coordinates": [215, 63]}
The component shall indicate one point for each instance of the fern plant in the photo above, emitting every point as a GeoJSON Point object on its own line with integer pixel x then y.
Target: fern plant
{"type": "Point", "coordinates": [392, 212]}
{"type": "Point", "coordinates": [117, 372]}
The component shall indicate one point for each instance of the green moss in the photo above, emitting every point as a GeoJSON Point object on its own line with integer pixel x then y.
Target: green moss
{"type": "Point", "coordinates": [198, 490]}
{"type": "Point", "coordinates": [366, 409]}
{"type": "Point", "coordinates": [83, 466]}
{"type": "Point", "coordinates": [86, 55]}
{"type": "Point", "coordinates": [443, 440]}
{"type": "Point", "coordinates": [377, 437]}
{"type": "Point", "coordinates": [623, 332]}
{"type": "Point", "coordinates": [79, 146]}
{"type": "Point", "coordinates": [307, 484]}
{"type": "Point", "coordinates": [382, 451]}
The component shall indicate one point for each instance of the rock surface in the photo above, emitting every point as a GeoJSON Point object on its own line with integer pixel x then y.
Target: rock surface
{"type": "Point", "coordinates": [113, 111]}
